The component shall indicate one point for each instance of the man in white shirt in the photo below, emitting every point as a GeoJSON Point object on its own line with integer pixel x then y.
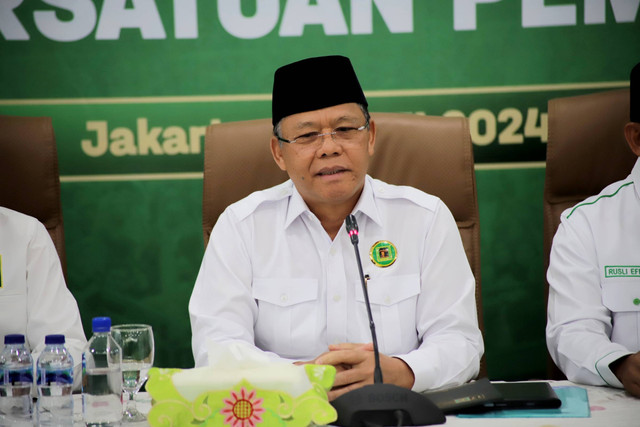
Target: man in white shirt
{"type": "Point", "coordinates": [34, 299]}
{"type": "Point", "coordinates": [280, 271]}
{"type": "Point", "coordinates": [593, 321]}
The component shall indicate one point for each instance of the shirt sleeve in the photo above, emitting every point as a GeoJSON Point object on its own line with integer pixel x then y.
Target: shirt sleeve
{"type": "Point", "coordinates": [222, 307]}
{"type": "Point", "coordinates": [51, 307]}
{"type": "Point", "coordinates": [578, 324]}
{"type": "Point", "coordinates": [451, 343]}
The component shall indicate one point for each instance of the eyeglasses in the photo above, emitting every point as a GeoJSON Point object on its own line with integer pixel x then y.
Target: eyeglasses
{"type": "Point", "coordinates": [339, 134]}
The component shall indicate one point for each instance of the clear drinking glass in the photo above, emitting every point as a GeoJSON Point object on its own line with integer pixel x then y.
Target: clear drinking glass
{"type": "Point", "coordinates": [137, 358]}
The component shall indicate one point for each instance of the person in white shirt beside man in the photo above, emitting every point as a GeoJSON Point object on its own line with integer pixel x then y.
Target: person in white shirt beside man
{"type": "Point", "coordinates": [34, 298]}
{"type": "Point", "coordinates": [593, 320]}
{"type": "Point", "coordinates": [280, 272]}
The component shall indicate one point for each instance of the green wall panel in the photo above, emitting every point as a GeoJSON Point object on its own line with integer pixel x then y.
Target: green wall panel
{"type": "Point", "coordinates": [133, 253]}
{"type": "Point", "coordinates": [510, 203]}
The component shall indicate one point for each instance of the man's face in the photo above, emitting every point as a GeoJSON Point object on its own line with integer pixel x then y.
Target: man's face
{"type": "Point", "coordinates": [329, 171]}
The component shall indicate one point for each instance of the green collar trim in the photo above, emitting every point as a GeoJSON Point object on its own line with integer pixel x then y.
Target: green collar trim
{"type": "Point", "coordinates": [601, 197]}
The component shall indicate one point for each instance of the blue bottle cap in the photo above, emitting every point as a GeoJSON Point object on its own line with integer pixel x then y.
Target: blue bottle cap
{"type": "Point", "coordinates": [54, 339]}
{"type": "Point", "coordinates": [14, 339]}
{"type": "Point", "coordinates": [101, 324]}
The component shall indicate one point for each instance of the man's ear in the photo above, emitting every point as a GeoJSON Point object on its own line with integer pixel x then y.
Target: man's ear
{"type": "Point", "coordinates": [276, 152]}
{"type": "Point", "coordinates": [632, 134]}
{"type": "Point", "coordinates": [372, 137]}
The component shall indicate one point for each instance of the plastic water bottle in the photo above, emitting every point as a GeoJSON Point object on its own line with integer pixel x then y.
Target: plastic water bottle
{"type": "Point", "coordinates": [102, 377]}
{"type": "Point", "coordinates": [16, 382]}
{"type": "Point", "coordinates": [55, 384]}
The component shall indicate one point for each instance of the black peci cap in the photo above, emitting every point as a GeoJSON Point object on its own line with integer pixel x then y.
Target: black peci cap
{"type": "Point", "coordinates": [634, 82]}
{"type": "Point", "coordinates": [312, 84]}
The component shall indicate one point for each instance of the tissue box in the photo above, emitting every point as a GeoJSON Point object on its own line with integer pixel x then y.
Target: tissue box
{"type": "Point", "coordinates": [240, 405]}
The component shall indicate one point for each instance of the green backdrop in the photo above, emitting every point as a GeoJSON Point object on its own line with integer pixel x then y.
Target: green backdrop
{"type": "Point", "coordinates": [132, 84]}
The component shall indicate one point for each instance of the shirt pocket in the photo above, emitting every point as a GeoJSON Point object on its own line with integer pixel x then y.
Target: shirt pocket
{"type": "Point", "coordinates": [393, 306]}
{"type": "Point", "coordinates": [287, 313]}
{"type": "Point", "coordinates": [622, 298]}
{"type": "Point", "coordinates": [621, 295]}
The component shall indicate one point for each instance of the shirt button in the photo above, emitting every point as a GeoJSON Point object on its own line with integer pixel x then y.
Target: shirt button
{"type": "Point", "coordinates": [387, 299]}
{"type": "Point", "coordinates": [284, 298]}
{"type": "Point", "coordinates": [332, 251]}
{"type": "Point", "coordinates": [336, 298]}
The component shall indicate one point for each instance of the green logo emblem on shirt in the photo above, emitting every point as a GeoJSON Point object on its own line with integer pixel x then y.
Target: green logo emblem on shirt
{"type": "Point", "coordinates": [621, 271]}
{"type": "Point", "coordinates": [383, 253]}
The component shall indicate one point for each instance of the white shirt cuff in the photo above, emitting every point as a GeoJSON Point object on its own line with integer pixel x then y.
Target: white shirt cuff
{"type": "Point", "coordinates": [421, 377]}
{"type": "Point", "coordinates": [603, 369]}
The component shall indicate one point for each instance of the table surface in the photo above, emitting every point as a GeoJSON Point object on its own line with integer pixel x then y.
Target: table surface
{"type": "Point", "coordinates": [610, 407]}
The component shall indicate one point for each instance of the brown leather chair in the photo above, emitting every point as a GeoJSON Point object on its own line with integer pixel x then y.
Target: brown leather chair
{"type": "Point", "coordinates": [29, 179]}
{"type": "Point", "coordinates": [431, 153]}
{"type": "Point", "coordinates": [586, 151]}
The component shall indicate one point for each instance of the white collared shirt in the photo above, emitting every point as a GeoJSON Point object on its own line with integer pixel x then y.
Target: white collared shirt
{"type": "Point", "coordinates": [594, 276]}
{"type": "Point", "coordinates": [34, 299]}
{"type": "Point", "coordinates": [271, 276]}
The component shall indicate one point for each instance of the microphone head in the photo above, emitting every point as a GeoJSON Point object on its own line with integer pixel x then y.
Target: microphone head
{"type": "Point", "coordinates": [352, 228]}
{"type": "Point", "coordinates": [352, 224]}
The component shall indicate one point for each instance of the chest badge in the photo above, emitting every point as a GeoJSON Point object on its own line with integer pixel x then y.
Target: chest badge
{"type": "Point", "coordinates": [383, 253]}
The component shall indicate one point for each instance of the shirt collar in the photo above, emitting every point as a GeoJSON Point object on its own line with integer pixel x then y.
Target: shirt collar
{"type": "Point", "coordinates": [366, 204]}
{"type": "Point", "coordinates": [296, 207]}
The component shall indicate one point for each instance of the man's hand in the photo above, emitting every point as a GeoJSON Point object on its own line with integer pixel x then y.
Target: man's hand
{"type": "Point", "coordinates": [355, 364]}
{"type": "Point", "coordinates": [339, 367]}
{"type": "Point", "coordinates": [627, 369]}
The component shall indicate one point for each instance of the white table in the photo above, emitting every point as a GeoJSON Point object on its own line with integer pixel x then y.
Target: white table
{"type": "Point", "coordinates": [609, 408]}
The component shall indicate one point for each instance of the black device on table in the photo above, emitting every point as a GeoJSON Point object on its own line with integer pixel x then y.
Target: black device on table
{"type": "Point", "coordinates": [483, 395]}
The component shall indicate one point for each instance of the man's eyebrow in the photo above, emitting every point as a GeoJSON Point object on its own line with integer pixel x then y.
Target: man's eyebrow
{"type": "Point", "coordinates": [350, 119]}
{"type": "Point", "coordinates": [306, 124]}
{"type": "Point", "coordinates": [341, 119]}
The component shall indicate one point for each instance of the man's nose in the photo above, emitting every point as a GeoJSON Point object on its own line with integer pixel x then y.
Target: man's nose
{"type": "Point", "coordinates": [328, 144]}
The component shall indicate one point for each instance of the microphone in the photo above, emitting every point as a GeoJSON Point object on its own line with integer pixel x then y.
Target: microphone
{"type": "Point", "coordinates": [378, 403]}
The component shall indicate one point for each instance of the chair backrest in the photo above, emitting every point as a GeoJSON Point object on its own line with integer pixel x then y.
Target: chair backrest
{"type": "Point", "coordinates": [586, 151]}
{"type": "Point", "coordinates": [29, 178]}
{"type": "Point", "coordinates": [433, 154]}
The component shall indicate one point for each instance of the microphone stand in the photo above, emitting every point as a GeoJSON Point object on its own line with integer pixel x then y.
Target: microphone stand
{"type": "Point", "coordinates": [352, 229]}
{"type": "Point", "coordinates": [378, 403]}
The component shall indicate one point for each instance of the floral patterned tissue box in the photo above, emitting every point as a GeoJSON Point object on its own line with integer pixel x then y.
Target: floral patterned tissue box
{"type": "Point", "coordinates": [243, 405]}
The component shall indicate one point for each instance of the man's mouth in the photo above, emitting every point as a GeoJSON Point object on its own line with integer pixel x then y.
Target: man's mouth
{"type": "Point", "coordinates": [331, 171]}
